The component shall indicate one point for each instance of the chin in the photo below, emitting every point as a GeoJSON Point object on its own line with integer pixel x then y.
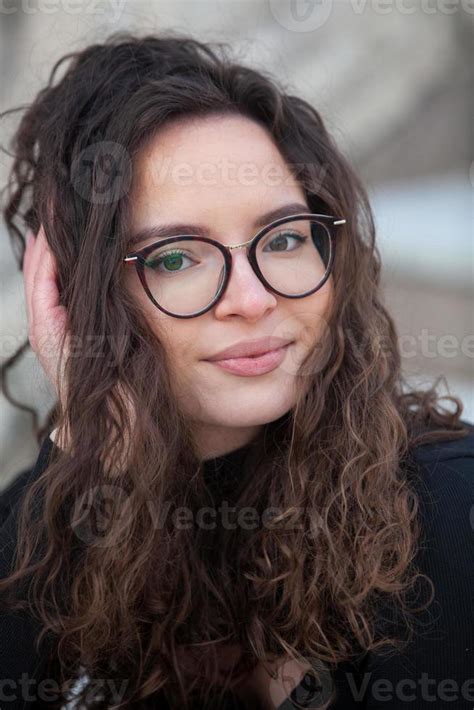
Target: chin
{"type": "Point", "coordinates": [246, 409]}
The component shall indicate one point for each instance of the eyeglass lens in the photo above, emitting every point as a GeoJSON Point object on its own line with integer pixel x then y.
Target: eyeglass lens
{"type": "Point", "coordinates": [185, 276]}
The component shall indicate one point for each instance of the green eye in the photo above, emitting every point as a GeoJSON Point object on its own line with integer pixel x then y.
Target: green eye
{"type": "Point", "coordinates": [171, 261]}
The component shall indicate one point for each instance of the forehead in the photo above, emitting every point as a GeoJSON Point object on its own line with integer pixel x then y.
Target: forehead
{"type": "Point", "coordinates": [204, 166]}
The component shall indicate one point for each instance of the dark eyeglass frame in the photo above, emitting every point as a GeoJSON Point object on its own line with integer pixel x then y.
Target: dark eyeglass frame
{"type": "Point", "coordinates": [138, 258]}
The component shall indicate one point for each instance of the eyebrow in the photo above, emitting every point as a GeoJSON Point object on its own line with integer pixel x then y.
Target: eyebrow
{"type": "Point", "coordinates": [161, 231]}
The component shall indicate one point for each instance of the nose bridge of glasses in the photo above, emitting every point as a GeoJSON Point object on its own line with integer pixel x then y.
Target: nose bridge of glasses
{"type": "Point", "coordinates": [243, 245]}
{"type": "Point", "coordinates": [240, 246]}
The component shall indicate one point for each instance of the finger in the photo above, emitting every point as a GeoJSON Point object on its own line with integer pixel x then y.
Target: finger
{"type": "Point", "coordinates": [28, 273]}
{"type": "Point", "coordinates": [36, 257]}
{"type": "Point", "coordinates": [48, 316]}
{"type": "Point", "coordinates": [33, 263]}
{"type": "Point", "coordinates": [25, 268]}
{"type": "Point", "coordinates": [45, 289]}
{"type": "Point", "coordinates": [29, 243]}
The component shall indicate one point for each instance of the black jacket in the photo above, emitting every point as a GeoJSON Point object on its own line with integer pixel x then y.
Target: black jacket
{"type": "Point", "coordinates": [435, 671]}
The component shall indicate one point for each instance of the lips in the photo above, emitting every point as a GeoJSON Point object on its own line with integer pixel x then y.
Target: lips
{"type": "Point", "coordinates": [250, 348]}
{"type": "Point", "coordinates": [252, 366]}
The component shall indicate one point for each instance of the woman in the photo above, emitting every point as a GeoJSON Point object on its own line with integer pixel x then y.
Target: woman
{"type": "Point", "coordinates": [203, 292]}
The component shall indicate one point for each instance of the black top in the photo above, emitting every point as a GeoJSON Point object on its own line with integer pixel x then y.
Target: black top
{"type": "Point", "coordinates": [436, 670]}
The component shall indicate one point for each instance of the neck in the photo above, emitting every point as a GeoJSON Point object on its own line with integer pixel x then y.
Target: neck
{"type": "Point", "coordinates": [212, 441]}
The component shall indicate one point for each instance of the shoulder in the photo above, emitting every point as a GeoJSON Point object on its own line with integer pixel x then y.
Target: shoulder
{"type": "Point", "coordinates": [443, 475]}
{"type": "Point", "coordinates": [445, 449]}
{"type": "Point", "coordinates": [446, 467]}
{"type": "Point", "coordinates": [10, 505]}
{"type": "Point", "coordinates": [10, 496]}
{"type": "Point", "coordinates": [441, 644]}
{"type": "Point", "coordinates": [19, 630]}
{"type": "Point", "coordinates": [444, 481]}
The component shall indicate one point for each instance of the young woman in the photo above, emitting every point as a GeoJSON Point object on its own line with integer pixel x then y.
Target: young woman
{"type": "Point", "coordinates": [239, 502]}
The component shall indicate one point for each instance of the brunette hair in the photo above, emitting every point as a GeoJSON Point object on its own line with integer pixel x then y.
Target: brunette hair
{"type": "Point", "coordinates": [120, 604]}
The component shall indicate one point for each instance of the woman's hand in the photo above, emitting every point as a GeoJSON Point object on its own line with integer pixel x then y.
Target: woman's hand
{"type": "Point", "coordinates": [47, 322]}
{"type": "Point", "coordinates": [46, 317]}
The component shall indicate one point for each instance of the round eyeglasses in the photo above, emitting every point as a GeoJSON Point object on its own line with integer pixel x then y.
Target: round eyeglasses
{"type": "Point", "coordinates": [186, 275]}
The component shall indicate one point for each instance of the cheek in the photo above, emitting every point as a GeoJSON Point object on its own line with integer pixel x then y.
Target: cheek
{"type": "Point", "coordinates": [325, 296]}
{"type": "Point", "coordinates": [311, 316]}
{"type": "Point", "coordinates": [313, 311]}
{"type": "Point", "coordinates": [178, 337]}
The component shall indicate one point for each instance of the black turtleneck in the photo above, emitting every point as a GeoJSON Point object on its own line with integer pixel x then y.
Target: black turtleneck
{"type": "Point", "coordinates": [223, 474]}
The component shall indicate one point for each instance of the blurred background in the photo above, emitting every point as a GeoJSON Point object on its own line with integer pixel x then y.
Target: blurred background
{"type": "Point", "coordinates": [394, 83]}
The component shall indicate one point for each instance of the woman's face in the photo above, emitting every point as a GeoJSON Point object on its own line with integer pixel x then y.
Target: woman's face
{"type": "Point", "coordinates": [223, 173]}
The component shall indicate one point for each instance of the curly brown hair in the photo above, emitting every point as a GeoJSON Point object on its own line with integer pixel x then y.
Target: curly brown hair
{"type": "Point", "coordinates": [121, 604]}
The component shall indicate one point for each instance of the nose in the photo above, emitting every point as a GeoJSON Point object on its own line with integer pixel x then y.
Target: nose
{"type": "Point", "coordinates": [245, 294]}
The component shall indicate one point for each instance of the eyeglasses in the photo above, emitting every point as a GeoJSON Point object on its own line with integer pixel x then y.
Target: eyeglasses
{"type": "Point", "coordinates": [186, 275]}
